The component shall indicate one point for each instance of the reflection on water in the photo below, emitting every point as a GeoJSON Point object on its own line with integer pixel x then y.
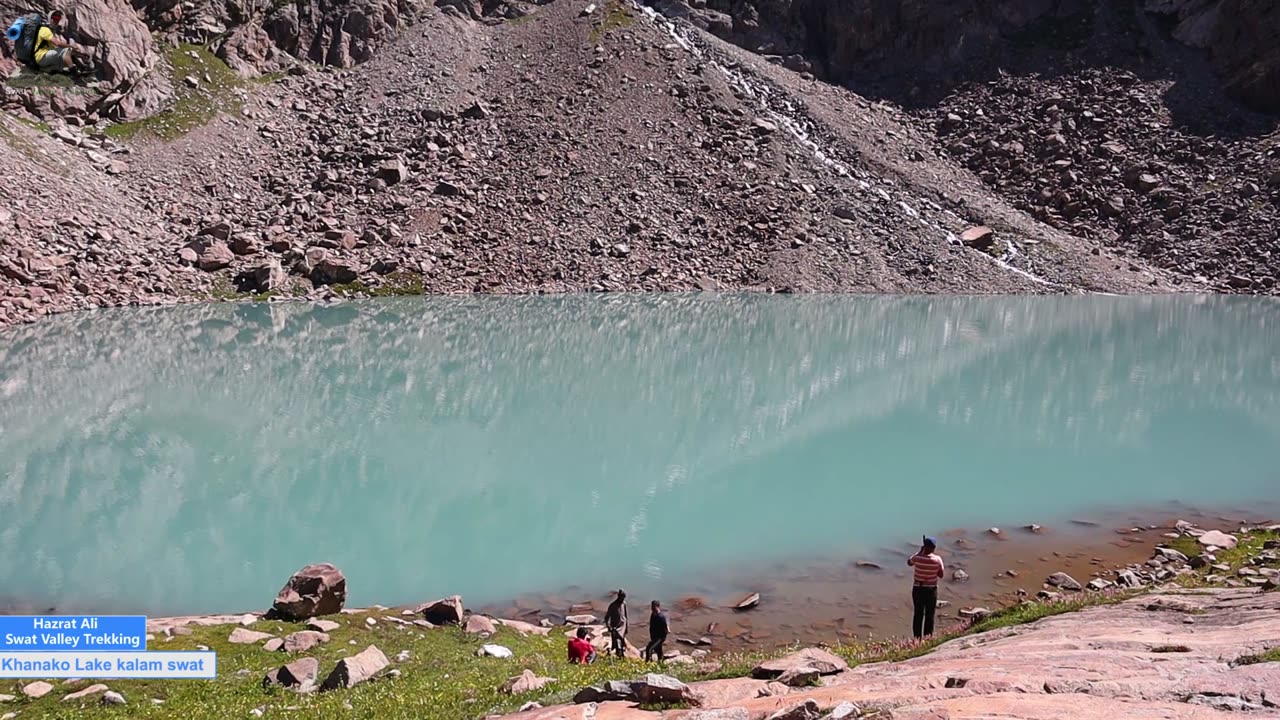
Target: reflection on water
{"type": "Point", "coordinates": [188, 459]}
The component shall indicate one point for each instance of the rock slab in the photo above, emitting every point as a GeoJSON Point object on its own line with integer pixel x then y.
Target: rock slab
{"type": "Point", "coordinates": [526, 681]}
{"type": "Point", "coordinates": [356, 669]}
{"type": "Point", "coordinates": [303, 640]}
{"type": "Point", "coordinates": [825, 663]}
{"type": "Point", "coordinates": [243, 636]}
{"type": "Point", "coordinates": [37, 689]}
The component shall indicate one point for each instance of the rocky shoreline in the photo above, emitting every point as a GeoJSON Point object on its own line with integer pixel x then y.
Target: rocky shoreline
{"type": "Point", "coordinates": [703, 628]}
{"type": "Point", "coordinates": [1186, 634]}
{"type": "Point", "coordinates": [1170, 654]}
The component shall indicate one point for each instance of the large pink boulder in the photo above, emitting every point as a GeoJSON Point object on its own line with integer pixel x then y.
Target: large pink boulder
{"type": "Point", "coordinates": [318, 589]}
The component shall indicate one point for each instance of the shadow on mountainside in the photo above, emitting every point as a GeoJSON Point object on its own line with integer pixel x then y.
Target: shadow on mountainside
{"type": "Point", "coordinates": [1099, 40]}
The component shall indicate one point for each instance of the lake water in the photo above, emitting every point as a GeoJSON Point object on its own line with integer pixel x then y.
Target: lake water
{"type": "Point", "coordinates": [189, 459]}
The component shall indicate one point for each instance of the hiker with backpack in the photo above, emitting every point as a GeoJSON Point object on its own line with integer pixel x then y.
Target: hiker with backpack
{"type": "Point", "coordinates": [36, 43]}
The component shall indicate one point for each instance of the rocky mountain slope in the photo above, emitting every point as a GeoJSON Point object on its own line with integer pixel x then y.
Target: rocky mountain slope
{"type": "Point", "coordinates": [1146, 126]}
{"type": "Point", "coordinates": [574, 146]}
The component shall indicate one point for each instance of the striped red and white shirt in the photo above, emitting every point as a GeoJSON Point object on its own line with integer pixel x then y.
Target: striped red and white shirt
{"type": "Point", "coordinates": [928, 568]}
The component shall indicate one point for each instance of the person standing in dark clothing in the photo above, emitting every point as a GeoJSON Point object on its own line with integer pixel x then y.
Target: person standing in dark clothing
{"type": "Point", "coordinates": [615, 619]}
{"type": "Point", "coordinates": [924, 592]}
{"type": "Point", "coordinates": [658, 629]}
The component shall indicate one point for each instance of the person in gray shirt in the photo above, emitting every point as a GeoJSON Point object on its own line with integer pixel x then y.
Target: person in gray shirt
{"type": "Point", "coordinates": [615, 619]}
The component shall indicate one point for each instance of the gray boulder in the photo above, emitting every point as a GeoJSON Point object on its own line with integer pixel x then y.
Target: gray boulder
{"type": "Point", "coordinates": [298, 675]}
{"type": "Point", "coordinates": [653, 689]}
{"type": "Point", "coordinates": [1064, 581]}
{"type": "Point", "coordinates": [265, 277]}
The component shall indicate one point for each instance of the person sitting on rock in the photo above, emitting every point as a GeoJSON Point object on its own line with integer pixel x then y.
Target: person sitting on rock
{"type": "Point", "coordinates": [658, 629]}
{"type": "Point", "coordinates": [52, 53]}
{"type": "Point", "coordinates": [581, 652]}
{"type": "Point", "coordinates": [615, 619]}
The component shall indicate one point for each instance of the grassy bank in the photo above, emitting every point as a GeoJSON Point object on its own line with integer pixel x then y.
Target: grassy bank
{"type": "Point", "coordinates": [442, 678]}
{"type": "Point", "coordinates": [204, 87]}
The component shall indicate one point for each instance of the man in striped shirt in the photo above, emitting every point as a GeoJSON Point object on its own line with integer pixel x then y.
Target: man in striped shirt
{"type": "Point", "coordinates": [924, 593]}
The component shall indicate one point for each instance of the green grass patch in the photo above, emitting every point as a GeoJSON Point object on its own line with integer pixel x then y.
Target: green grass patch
{"type": "Point", "coordinates": [395, 284]}
{"type": "Point", "coordinates": [1030, 612]}
{"type": "Point", "coordinates": [614, 16]}
{"type": "Point", "coordinates": [1170, 649]}
{"type": "Point", "coordinates": [1022, 614]}
{"type": "Point", "coordinates": [1248, 546]}
{"type": "Point", "coordinates": [1185, 544]}
{"type": "Point", "coordinates": [24, 146]}
{"type": "Point", "coordinates": [442, 679]}
{"type": "Point", "coordinates": [28, 80]}
{"type": "Point", "coordinates": [224, 289]}
{"type": "Point", "coordinates": [36, 125]}
{"type": "Point", "coordinates": [1272, 655]}
{"type": "Point", "coordinates": [216, 91]}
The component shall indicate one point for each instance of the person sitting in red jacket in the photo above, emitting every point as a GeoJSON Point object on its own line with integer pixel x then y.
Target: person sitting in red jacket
{"type": "Point", "coordinates": [581, 651]}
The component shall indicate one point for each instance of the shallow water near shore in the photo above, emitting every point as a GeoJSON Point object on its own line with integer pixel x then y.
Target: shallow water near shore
{"type": "Point", "coordinates": [188, 459]}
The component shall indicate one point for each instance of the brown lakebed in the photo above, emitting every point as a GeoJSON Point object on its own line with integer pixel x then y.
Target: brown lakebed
{"type": "Point", "coordinates": [861, 599]}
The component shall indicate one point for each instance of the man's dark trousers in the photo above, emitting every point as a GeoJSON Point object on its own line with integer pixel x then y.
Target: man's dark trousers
{"type": "Point", "coordinates": [925, 600]}
{"type": "Point", "coordinates": [618, 640]}
{"type": "Point", "coordinates": [654, 648]}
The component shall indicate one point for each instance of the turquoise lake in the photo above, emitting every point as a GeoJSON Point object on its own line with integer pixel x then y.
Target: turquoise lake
{"type": "Point", "coordinates": [189, 459]}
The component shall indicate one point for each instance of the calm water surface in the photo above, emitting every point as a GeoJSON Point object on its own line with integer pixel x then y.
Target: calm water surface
{"type": "Point", "coordinates": [189, 459]}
